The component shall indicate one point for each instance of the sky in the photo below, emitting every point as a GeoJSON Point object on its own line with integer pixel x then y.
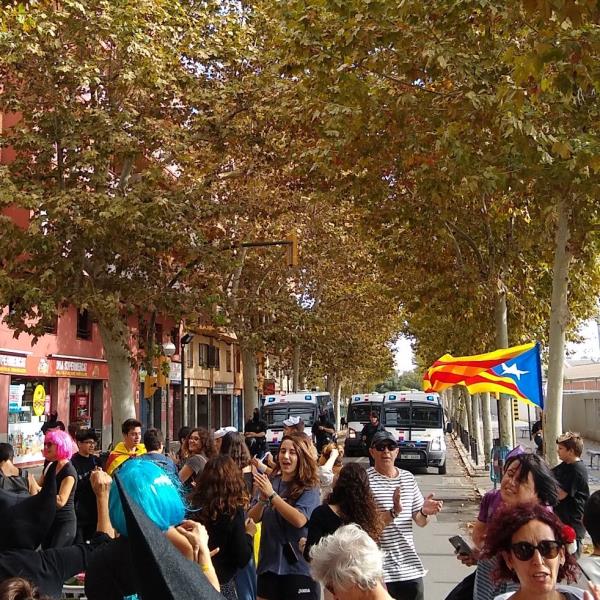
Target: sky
{"type": "Point", "coordinates": [589, 348]}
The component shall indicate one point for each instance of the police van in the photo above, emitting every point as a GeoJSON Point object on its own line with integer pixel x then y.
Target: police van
{"type": "Point", "coordinates": [359, 409]}
{"type": "Point", "coordinates": [306, 405]}
{"type": "Point", "coordinates": [416, 420]}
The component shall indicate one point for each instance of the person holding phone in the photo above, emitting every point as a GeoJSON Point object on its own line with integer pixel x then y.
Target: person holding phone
{"type": "Point", "coordinates": [284, 507]}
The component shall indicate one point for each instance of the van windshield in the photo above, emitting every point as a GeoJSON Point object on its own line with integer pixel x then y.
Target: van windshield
{"type": "Point", "coordinates": [361, 412]}
{"type": "Point", "coordinates": [277, 414]}
{"type": "Point", "coordinates": [405, 416]}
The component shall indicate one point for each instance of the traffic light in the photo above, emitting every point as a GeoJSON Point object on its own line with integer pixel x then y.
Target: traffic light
{"type": "Point", "coordinates": [150, 386]}
{"type": "Point", "coordinates": [292, 250]}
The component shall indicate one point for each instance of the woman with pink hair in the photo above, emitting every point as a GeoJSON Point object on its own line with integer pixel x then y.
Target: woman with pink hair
{"type": "Point", "coordinates": [57, 448]}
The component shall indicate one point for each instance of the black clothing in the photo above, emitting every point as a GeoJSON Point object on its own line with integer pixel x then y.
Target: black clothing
{"type": "Point", "coordinates": [17, 484]}
{"type": "Point", "coordinates": [64, 527]}
{"type": "Point", "coordinates": [323, 521]}
{"type": "Point", "coordinates": [85, 499]}
{"type": "Point", "coordinates": [573, 479]}
{"type": "Point", "coordinates": [406, 590]}
{"type": "Point", "coordinates": [25, 520]}
{"type": "Point", "coordinates": [322, 438]}
{"type": "Point", "coordinates": [287, 587]}
{"type": "Point", "coordinates": [110, 574]}
{"type": "Point", "coordinates": [256, 445]}
{"type": "Point", "coordinates": [369, 431]}
{"type": "Point", "coordinates": [235, 545]}
{"type": "Point", "coordinates": [49, 569]}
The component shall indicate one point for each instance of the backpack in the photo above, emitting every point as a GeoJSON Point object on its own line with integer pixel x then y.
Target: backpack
{"type": "Point", "coordinates": [16, 484]}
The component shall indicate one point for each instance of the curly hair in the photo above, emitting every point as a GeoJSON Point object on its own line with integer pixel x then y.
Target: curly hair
{"type": "Point", "coordinates": [234, 445]}
{"type": "Point", "coordinates": [206, 445]}
{"type": "Point", "coordinates": [220, 489]}
{"type": "Point", "coordinates": [306, 476]}
{"type": "Point", "coordinates": [352, 494]}
{"type": "Point", "coordinates": [507, 522]}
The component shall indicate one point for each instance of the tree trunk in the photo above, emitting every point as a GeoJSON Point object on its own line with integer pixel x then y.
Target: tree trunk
{"type": "Point", "coordinates": [119, 376]}
{"type": "Point", "coordinates": [559, 317]}
{"type": "Point", "coordinates": [488, 435]}
{"type": "Point", "coordinates": [501, 317]}
{"type": "Point", "coordinates": [477, 427]}
{"type": "Point", "coordinates": [469, 409]}
{"type": "Point", "coordinates": [250, 381]}
{"type": "Point", "coordinates": [337, 404]}
{"type": "Point", "coordinates": [460, 400]}
{"type": "Point", "coordinates": [296, 368]}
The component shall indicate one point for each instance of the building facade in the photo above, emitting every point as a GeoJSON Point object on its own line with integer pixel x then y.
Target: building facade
{"type": "Point", "coordinates": [212, 395]}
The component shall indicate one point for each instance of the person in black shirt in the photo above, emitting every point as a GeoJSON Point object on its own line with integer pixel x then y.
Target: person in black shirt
{"type": "Point", "coordinates": [255, 433]}
{"type": "Point", "coordinates": [572, 478]}
{"type": "Point", "coordinates": [85, 462]}
{"type": "Point", "coordinates": [323, 430]}
{"type": "Point", "coordinates": [57, 447]}
{"type": "Point", "coordinates": [369, 430]}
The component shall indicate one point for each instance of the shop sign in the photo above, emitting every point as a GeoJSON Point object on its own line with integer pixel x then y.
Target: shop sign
{"type": "Point", "coordinates": [39, 400]}
{"type": "Point", "coordinates": [223, 388]}
{"type": "Point", "coordinates": [175, 372]}
{"type": "Point", "coordinates": [13, 364]}
{"type": "Point", "coordinates": [71, 368]}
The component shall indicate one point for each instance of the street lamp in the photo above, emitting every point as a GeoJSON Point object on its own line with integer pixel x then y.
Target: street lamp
{"type": "Point", "coordinates": [186, 339]}
{"type": "Point", "coordinates": [168, 350]}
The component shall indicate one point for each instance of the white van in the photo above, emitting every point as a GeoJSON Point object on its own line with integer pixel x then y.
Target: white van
{"type": "Point", "coordinates": [359, 409]}
{"type": "Point", "coordinates": [306, 405]}
{"type": "Point", "coordinates": [416, 420]}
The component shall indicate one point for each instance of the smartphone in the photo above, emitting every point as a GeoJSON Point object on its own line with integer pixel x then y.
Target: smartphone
{"type": "Point", "coordinates": [460, 544]}
{"type": "Point", "coordinates": [290, 554]}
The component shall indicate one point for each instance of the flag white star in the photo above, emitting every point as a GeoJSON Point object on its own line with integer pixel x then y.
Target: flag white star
{"type": "Point", "coordinates": [513, 370]}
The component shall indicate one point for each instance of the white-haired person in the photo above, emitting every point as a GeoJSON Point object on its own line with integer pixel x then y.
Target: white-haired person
{"type": "Point", "coordinates": [349, 565]}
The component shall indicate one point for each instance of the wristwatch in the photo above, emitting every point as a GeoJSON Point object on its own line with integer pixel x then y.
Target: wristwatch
{"type": "Point", "coordinates": [271, 497]}
{"type": "Point", "coordinates": [393, 513]}
{"type": "Point", "coordinates": [421, 511]}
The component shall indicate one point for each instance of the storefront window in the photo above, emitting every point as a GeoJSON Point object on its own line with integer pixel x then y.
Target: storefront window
{"type": "Point", "coordinates": [24, 426]}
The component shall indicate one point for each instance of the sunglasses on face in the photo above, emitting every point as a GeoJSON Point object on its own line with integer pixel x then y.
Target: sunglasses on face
{"type": "Point", "coordinates": [525, 550]}
{"type": "Point", "coordinates": [382, 447]}
{"type": "Point", "coordinates": [48, 444]}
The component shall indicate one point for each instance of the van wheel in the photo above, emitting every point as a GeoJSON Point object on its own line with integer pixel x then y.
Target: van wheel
{"type": "Point", "coordinates": [442, 469]}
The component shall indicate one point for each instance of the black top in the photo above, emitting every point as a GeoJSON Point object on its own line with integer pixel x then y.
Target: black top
{"type": "Point", "coordinates": [253, 426]}
{"type": "Point", "coordinates": [85, 499]}
{"type": "Point", "coordinates": [573, 479]}
{"type": "Point", "coordinates": [68, 510]}
{"type": "Point", "coordinates": [323, 521]}
{"type": "Point", "coordinates": [322, 437]}
{"type": "Point", "coordinates": [369, 431]}
{"type": "Point", "coordinates": [235, 545]}
{"type": "Point", "coordinates": [49, 569]}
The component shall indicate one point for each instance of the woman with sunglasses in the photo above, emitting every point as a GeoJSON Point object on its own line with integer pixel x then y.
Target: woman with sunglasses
{"type": "Point", "coordinates": [198, 447]}
{"type": "Point", "coordinates": [285, 505]}
{"type": "Point", "coordinates": [58, 448]}
{"type": "Point", "coordinates": [530, 543]}
{"type": "Point", "coordinates": [526, 479]}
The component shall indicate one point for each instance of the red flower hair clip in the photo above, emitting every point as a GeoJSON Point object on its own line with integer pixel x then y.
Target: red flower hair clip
{"type": "Point", "coordinates": [568, 534]}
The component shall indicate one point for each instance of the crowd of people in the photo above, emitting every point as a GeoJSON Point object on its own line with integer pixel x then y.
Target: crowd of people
{"type": "Point", "coordinates": [224, 518]}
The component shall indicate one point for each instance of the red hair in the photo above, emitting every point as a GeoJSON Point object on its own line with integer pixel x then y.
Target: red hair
{"type": "Point", "coordinates": [508, 521]}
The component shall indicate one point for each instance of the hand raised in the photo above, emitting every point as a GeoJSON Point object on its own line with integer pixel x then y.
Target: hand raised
{"type": "Point", "coordinates": [432, 506]}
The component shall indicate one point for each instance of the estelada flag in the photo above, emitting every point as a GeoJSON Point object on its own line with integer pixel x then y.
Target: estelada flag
{"type": "Point", "coordinates": [516, 371]}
